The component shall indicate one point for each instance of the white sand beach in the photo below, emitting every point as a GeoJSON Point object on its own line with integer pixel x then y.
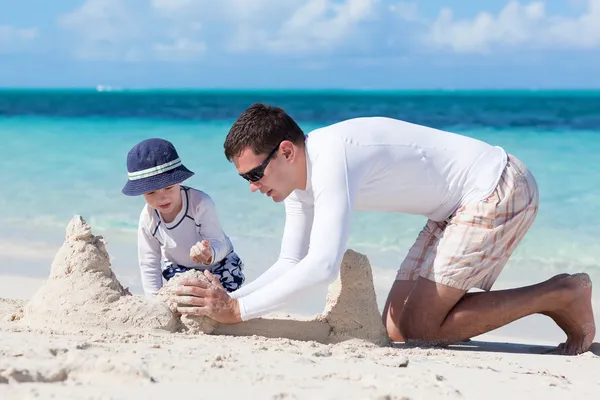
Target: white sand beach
{"type": "Point", "coordinates": [80, 335]}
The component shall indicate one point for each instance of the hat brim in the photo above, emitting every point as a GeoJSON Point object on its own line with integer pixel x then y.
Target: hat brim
{"type": "Point", "coordinates": [156, 182]}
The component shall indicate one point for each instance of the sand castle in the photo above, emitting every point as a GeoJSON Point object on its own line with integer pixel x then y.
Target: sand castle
{"type": "Point", "coordinates": [82, 292]}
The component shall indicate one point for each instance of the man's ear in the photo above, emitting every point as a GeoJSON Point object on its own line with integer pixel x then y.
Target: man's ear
{"type": "Point", "coordinates": [288, 150]}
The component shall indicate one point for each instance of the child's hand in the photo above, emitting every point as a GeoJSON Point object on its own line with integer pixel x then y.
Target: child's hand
{"type": "Point", "coordinates": [201, 253]}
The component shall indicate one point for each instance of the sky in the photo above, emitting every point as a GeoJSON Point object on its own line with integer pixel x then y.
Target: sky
{"type": "Point", "coordinates": [349, 44]}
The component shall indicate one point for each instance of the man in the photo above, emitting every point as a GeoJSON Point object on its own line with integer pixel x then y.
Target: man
{"type": "Point", "coordinates": [479, 202]}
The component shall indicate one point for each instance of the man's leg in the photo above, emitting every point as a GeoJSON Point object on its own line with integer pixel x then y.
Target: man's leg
{"type": "Point", "coordinates": [472, 251]}
{"type": "Point", "coordinates": [394, 305]}
{"type": "Point", "coordinates": [440, 314]}
{"type": "Point", "coordinates": [420, 254]}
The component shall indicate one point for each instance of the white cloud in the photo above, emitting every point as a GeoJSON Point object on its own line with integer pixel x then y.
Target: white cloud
{"type": "Point", "coordinates": [320, 24]}
{"type": "Point", "coordinates": [131, 30]}
{"type": "Point", "coordinates": [175, 30]}
{"type": "Point", "coordinates": [407, 11]}
{"type": "Point", "coordinates": [104, 29]}
{"type": "Point", "coordinates": [291, 26]}
{"type": "Point", "coordinates": [179, 29]}
{"type": "Point", "coordinates": [179, 49]}
{"type": "Point", "coordinates": [179, 32]}
{"type": "Point", "coordinates": [171, 5]}
{"type": "Point", "coordinates": [12, 38]}
{"type": "Point", "coordinates": [516, 26]}
{"type": "Point", "coordinates": [102, 21]}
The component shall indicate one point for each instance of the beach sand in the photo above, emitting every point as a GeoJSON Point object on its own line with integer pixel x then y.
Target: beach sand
{"type": "Point", "coordinates": [80, 335]}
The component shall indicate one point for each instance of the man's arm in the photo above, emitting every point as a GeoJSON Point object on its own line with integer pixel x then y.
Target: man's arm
{"type": "Point", "coordinates": [334, 194]}
{"type": "Point", "coordinates": [294, 244]}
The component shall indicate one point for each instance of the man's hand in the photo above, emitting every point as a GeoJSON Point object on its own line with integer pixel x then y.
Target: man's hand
{"type": "Point", "coordinates": [201, 253]}
{"type": "Point", "coordinates": [196, 297]}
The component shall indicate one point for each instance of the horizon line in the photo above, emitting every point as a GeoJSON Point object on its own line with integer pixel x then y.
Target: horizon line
{"type": "Point", "coordinates": [117, 89]}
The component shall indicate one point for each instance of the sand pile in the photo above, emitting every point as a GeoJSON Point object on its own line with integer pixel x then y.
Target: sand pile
{"type": "Point", "coordinates": [192, 324]}
{"type": "Point", "coordinates": [350, 313]}
{"type": "Point", "coordinates": [351, 306]}
{"type": "Point", "coordinates": [82, 291]}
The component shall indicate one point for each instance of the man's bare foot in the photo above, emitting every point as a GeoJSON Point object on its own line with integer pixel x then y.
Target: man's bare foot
{"type": "Point", "coordinates": [573, 312]}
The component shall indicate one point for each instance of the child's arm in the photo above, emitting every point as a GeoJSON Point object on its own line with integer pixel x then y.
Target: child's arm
{"type": "Point", "coordinates": [149, 259]}
{"type": "Point", "coordinates": [210, 229]}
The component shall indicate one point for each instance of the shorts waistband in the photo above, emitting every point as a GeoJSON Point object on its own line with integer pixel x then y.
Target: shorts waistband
{"type": "Point", "coordinates": [517, 165]}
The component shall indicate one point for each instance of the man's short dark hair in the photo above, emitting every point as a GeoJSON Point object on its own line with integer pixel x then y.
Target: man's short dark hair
{"type": "Point", "coordinates": [261, 127]}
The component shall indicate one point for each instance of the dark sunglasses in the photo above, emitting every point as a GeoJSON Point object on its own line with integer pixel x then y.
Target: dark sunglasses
{"type": "Point", "coordinates": [256, 173]}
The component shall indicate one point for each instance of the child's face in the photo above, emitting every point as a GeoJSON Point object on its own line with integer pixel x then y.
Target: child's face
{"type": "Point", "coordinates": [166, 201]}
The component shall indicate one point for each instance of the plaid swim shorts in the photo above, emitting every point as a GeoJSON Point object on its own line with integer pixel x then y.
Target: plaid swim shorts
{"type": "Point", "coordinates": [470, 248]}
{"type": "Point", "coordinates": [230, 271]}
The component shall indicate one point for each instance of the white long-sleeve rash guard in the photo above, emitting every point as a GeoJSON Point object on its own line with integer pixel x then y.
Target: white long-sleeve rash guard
{"type": "Point", "coordinates": [160, 243]}
{"type": "Point", "coordinates": [374, 164]}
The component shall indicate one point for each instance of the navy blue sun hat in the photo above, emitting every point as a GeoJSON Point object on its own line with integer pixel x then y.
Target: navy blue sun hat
{"type": "Point", "coordinates": [153, 164]}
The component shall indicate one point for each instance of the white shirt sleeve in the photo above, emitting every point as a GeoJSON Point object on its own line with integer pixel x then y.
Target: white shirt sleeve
{"type": "Point", "coordinates": [294, 245]}
{"type": "Point", "coordinates": [149, 256]}
{"type": "Point", "coordinates": [329, 234]}
{"type": "Point", "coordinates": [210, 228]}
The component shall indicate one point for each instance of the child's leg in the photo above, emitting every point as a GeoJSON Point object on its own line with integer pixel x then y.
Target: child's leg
{"type": "Point", "coordinates": [230, 272]}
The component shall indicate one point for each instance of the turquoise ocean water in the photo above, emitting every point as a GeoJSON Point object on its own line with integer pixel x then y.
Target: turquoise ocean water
{"type": "Point", "coordinates": [64, 154]}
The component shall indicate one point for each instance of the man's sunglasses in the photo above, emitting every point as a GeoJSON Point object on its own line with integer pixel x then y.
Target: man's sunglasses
{"type": "Point", "coordinates": [256, 173]}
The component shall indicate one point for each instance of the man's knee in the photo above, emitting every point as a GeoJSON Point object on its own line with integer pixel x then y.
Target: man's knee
{"type": "Point", "coordinates": [414, 327]}
{"type": "Point", "coordinates": [394, 305]}
{"type": "Point", "coordinates": [390, 322]}
{"type": "Point", "coordinates": [426, 309]}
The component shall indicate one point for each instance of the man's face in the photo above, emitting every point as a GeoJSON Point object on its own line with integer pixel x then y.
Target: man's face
{"type": "Point", "coordinates": [273, 176]}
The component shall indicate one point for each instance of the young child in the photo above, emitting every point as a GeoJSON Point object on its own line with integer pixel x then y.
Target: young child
{"type": "Point", "coordinates": [178, 228]}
